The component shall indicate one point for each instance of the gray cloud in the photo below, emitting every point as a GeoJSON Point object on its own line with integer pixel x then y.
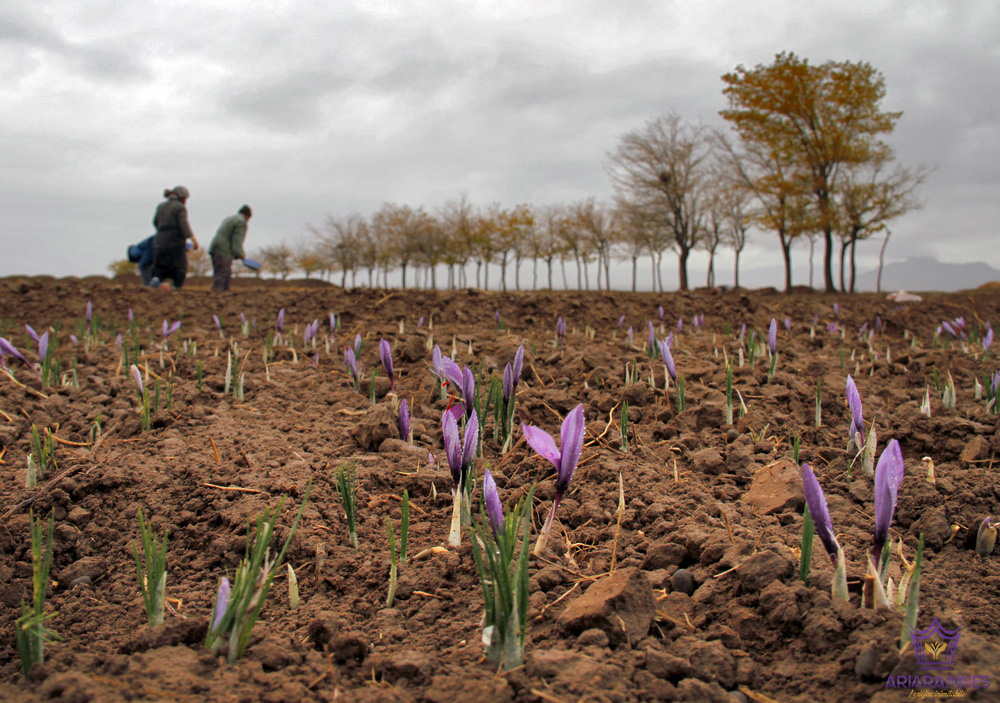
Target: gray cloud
{"type": "Point", "coordinates": [304, 109]}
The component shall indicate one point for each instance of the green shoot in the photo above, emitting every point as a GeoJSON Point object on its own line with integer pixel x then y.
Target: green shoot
{"type": "Point", "coordinates": [912, 596]}
{"type": "Point", "coordinates": [808, 531]}
{"type": "Point", "coordinates": [251, 584]}
{"type": "Point", "coordinates": [151, 570]}
{"type": "Point", "coordinates": [347, 486]}
{"type": "Point", "coordinates": [819, 402]}
{"type": "Point", "coordinates": [397, 557]}
{"type": "Point", "coordinates": [503, 574]}
{"type": "Point", "coordinates": [30, 632]}
{"type": "Point", "coordinates": [681, 405]}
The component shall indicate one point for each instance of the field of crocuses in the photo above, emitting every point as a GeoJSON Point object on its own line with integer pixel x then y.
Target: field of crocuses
{"type": "Point", "coordinates": [412, 495]}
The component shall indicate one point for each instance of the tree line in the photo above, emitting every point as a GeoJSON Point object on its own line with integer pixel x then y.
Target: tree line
{"type": "Point", "coordinates": [805, 158]}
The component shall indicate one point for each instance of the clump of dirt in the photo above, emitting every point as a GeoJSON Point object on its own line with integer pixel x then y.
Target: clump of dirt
{"type": "Point", "coordinates": [686, 591]}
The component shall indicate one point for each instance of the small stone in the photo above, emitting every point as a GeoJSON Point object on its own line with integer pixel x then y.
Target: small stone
{"type": "Point", "coordinates": [975, 449]}
{"type": "Point", "coordinates": [81, 581]}
{"type": "Point", "coordinates": [864, 665]}
{"type": "Point", "coordinates": [91, 567]}
{"type": "Point", "coordinates": [682, 581]}
{"type": "Point", "coordinates": [621, 604]}
{"type": "Point", "coordinates": [378, 424]}
{"type": "Point", "coordinates": [663, 553]}
{"type": "Point", "coordinates": [775, 488]}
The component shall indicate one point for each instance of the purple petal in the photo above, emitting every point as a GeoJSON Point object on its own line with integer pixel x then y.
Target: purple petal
{"type": "Point", "coordinates": [573, 429]}
{"type": "Point", "coordinates": [385, 354]}
{"type": "Point", "coordinates": [471, 441]}
{"type": "Point", "coordinates": [221, 603]}
{"type": "Point", "coordinates": [281, 320]}
{"type": "Point", "coordinates": [494, 510]}
{"type": "Point", "coordinates": [772, 336]}
{"type": "Point", "coordinates": [31, 333]}
{"type": "Point", "coordinates": [136, 377]}
{"type": "Point", "coordinates": [404, 420]}
{"type": "Point", "coordinates": [519, 364]}
{"type": "Point", "coordinates": [668, 359]}
{"type": "Point", "coordinates": [437, 362]}
{"type": "Point", "coordinates": [818, 510]}
{"type": "Point", "coordinates": [452, 446]}
{"type": "Point", "coordinates": [854, 402]}
{"type": "Point", "coordinates": [173, 328]}
{"type": "Point", "coordinates": [542, 442]}
{"type": "Point", "coordinates": [453, 372]}
{"type": "Point", "coordinates": [468, 389]}
{"type": "Point", "coordinates": [43, 346]}
{"type": "Point", "coordinates": [889, 474]}
{"type": "Point", "coordinates": [508, 382]}
{"type": "Point", "coordinates": [8, 349]}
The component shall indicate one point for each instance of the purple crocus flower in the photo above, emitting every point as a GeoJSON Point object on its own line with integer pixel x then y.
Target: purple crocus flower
{"type": "Point", "coordinates": [173, 328]}
{"type": "Point", "coordinates": [819, 512]}
{"type": "Point", "coordinates": [358, 343]}
{"type": "Point", "coordinates": [832, 328]}
{"type": "Point", "coordinates": [281, 321]}
{"type": "Point", "coordinates": [564, 459]}
{"type": "Point", "coordinates": [788, 324]}
{"type": "Point", "coordinates": [385, 354]}
{"type": "Point", "coordinates": [743, 330]}
{"type": "Point", "coordinates": [333, 323]}
{"type": "Point", "coordinates": [518, 365]}
{"type": "Point", "coordinates": [857, 419]}
{"type": "Point", "coordinates": [218, 324]}
{"type": "Point", "coordinates": [680, 324]}
{"type": "Point", "coordinates": [508, 383]}
{"type": "Point", "coordinates": [946, 326]}
{"type": "Point", "coordinates": [8, 349]}
{"type": "Point", "coordinates": [463, 381]}
{"type": "Point", "coordinates": [119, 339]}
{"type": "Point", "coordinates": [89, 312]}
{"type": "Point", "coordinates": [888, 476]}
{"type": "Point", "coordinates": [460, 456]}
{"type": "Point", "coordinates": [131, 316]}
{"type": "Point", "coordinates": [659, 311]}
{"type": "Point", "coordinates": [31, 333]}
{"type": "Point", "coordinates": [560, 327]}
{"type": "Point", "coordinates": [995, 384]}
{"type": "Point", "coordinates": [836, 310]}
{"type": "Point", "coordinates": [352, 363]}
{"type": "Point", "coordinates": [772, 337]}
{"type": "Point", "coordinates": [137, 379]}
{"type": "Point", "coordinates": [404, 420]}
{"type": "Point", "coordinates": [494, 510]}
{"type": "Point", "coordinates": [73, 338]}
{"type": "Point", "coordinates": [630, 332]}
{"type": "Point", "coordinates": [988, 339]}
{"type": "Point", "coordinates": [879, 324]}
{"type": "Point", "coordinates": [221, 604]}
{"type": "Point", "coordinates": [243, 318]}
{"type": "Point", "coordinates": [420, 322]}
{"type": "Point", "coordinates": [43, 346]}
{"type": "Point", "coordinates": [621, 321]}
{"type": "Point", "coordinates": [652, 335]}
{"type": "Point", "coordinates": [497, 317]}
{"type": "Point", "coordinates": [437, 363]}
{"type": "Point", "coordinates": [863, 328]}
{"type": "Point", "coordinates": [668, 359]}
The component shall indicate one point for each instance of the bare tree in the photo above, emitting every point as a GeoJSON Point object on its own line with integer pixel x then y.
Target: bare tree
{"type": "Point", "coordinates": [277, 258]}
{"type": "Point", "coordinates": [661, 168]}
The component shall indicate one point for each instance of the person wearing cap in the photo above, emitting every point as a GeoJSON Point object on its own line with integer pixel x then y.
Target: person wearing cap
{"type": "Point", "coordinates": [228, 245]}
{"type": "Point", "coordinates": [172, 234]}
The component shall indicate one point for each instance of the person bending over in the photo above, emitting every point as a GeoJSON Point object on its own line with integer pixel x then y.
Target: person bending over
{"type": "Point", "coordinates": [228, 245]}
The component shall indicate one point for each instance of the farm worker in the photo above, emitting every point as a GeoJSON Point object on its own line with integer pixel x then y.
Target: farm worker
{"type": "Point", "coordinates": [142, 254]}
{"type": "Point", "coordinates": [172, 233]}
{"type": "Point", "coordinates": [228, 245]}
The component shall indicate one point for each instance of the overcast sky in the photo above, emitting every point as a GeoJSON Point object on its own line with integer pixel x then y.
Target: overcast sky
{"type": "Point", "coordinates": [307, 108]}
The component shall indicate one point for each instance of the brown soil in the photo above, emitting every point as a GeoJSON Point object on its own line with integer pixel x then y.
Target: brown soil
{"type": "Point", "coordinates": [721, 503]}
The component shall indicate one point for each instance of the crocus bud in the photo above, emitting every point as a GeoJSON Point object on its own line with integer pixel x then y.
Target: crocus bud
{"type": "Point", "coordinates": [404, 420]}
{"type": "Point", "coordinates": [494, 510]}
{"type": "Point", "coordinates": [221, 603]}
{"type": "Point", "coordinates": [136, 378]}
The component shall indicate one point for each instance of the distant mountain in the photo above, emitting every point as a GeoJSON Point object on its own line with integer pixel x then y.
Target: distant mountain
{"type": "Point", "coordinates": [927, 273]}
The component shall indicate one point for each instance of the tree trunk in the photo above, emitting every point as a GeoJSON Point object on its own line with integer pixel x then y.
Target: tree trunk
{"type": "Point", "coordinates": [843, 255]}
{"type": "Point", "coordinates": [812, 247]}
{"type": "Point", "coordinates": [710, 276]}
{"type": "Point", "coordinates": [736, 268]}
{"type": "Point", "coordinates": [635, 263]}
{"type": "Point", "coordinates": [534, 273]}
{"type": "Point", "coordinates": [786, 253]}
{"type": "Point", "coordinates": [659, 269]}
{"type": "Point", "coordinates": [403, 265]}
{"type": "Point", "coordinates": [579, 275]}
{"type": "Point", "coordinates": [607, 271]}
{"type": "Point", "coordinates": [682, 267]}
{"type": "Point", "coordinates": [854, 243]}
{"type": "Point", "coordinates": [881, 260]}
{"type": "Point", "coordinates": [828, 261]}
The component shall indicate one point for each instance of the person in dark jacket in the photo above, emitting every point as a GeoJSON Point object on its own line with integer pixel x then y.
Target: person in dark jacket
{"type": "Point", "coordinates": [228, 245]}
{"type": "Point", "coordinates": [142, 254]}
{"type": "Point", "coordinates": [172, 233]}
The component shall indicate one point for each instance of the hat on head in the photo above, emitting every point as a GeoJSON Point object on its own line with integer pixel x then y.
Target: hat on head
{"type": "Point", "coordinates": [181, 192]}
{"type": "Point", "coordinates": [245, 210]}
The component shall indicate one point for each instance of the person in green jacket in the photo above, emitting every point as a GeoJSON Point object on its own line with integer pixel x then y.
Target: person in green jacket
{"type": "Point", "coordinates": [228, 245]}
